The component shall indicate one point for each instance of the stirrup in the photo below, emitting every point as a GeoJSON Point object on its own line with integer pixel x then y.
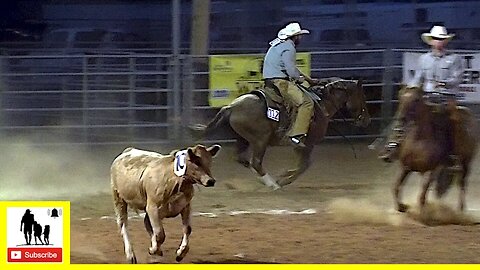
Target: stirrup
{"type": "Point", "coordinates": [392, 145]}
{"type": "Point", "coordinates": [389, 152]}
{"type": "Point", "coordinates": [299, 140]}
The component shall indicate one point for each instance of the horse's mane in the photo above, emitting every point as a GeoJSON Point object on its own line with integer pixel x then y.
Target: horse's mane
{"type": "Point", "coordinates": [404, 89]}
{"type": "Point", "coordinates": [332, 83]}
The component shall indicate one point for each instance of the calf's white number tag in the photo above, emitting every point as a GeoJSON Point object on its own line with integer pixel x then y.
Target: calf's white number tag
{"type": "Point", "coordinates": [180, 163]}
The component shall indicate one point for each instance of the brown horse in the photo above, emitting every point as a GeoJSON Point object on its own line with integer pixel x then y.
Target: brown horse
{"type": "Point", "coordinates": [247, 117]}
{"type": "Point", "coordinates": [423, 149]}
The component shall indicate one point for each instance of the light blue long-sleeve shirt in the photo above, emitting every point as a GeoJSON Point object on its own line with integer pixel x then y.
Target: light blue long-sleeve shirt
{"type": "Point", "coordinates": [280, 61]}
{"type": "Point", "coordinates": [432, 69]}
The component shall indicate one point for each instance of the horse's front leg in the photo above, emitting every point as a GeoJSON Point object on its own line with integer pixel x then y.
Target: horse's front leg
{"type": "Point", "coordinates": [187, 230]}
{"type": "Point", "coordinates": [427, 182]}
{"type": "Point", "coordinates": [158, 235]}
{"type": "Point", "coordinates": [242, 152]}
{"type": "Point", "coordinates": [258, 152]}
{"type": "Point", "coordinates": [401, 207]}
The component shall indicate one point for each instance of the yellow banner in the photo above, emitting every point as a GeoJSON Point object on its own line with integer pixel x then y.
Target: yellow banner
{"type": "Point", "coordinates": [234, 75]}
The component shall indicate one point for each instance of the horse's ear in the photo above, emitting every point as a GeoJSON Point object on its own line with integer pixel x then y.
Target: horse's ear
{"type": "Point", "coordinates": [360, 83]}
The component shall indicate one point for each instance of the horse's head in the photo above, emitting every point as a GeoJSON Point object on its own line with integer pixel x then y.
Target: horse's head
{"type": "Point", "coordinates": [357, 103]}
{"type": "Point", "coordinates": [349, 93]}
{"type": "Point", "coordinates": [409, 101]}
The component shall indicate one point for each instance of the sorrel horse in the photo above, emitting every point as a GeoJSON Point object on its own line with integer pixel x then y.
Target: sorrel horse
{"type": "Point", "coordinates": [423, 149]}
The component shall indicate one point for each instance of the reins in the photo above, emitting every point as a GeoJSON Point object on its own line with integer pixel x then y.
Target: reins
{"type": "Point", "coordinates": [344, 118]}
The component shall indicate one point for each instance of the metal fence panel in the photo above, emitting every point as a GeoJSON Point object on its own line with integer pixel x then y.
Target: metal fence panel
{"type": "Point", "coordinates": [87, 98]}
{"type": "Point", "coordinates": [131, 98]}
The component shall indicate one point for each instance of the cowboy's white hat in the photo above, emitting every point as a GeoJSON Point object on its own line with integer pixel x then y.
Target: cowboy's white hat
{"type": "Point", "coordinates": [437, 32]}
{"type": "Point", "coordinates": [290, 30]}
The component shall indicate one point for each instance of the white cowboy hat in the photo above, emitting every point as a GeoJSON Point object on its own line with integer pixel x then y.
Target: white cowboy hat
{"type": "Point", "coordinates": [290, 30]}
{"type": "Point", "coordinates": [437, 32]}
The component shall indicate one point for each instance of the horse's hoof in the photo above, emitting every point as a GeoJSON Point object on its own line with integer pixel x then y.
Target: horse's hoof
{"type": "Point", "coordinates": [276, 187]}
{"type": "Point", "coordinates": [386, 158]}
{"type": "Point", "coordinates": [244, 163]}
{"type": "Point", "coordinates": [402, 208]}
{"type": "Point", "coordinates": [287, 174]}
{"type": "Point", "coordinates": [285, 181]}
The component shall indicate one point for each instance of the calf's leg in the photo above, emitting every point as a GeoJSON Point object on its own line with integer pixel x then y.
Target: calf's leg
{"type": "Point", "coordinates": [122, 220]}
{"type": "Point", "coordinates": [158, 236]}
{"type": "Point", "coordinates": [187, 230]}
{"type": "Point", "coordinates": [148, 226]}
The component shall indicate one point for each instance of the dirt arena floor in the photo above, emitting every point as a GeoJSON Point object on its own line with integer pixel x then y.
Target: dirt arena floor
{"type": "Point", "coordinates": [340, 211]}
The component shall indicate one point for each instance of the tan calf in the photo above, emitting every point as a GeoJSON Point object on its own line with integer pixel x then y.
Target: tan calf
{"type": "Point", "coordinates": [162, 186]}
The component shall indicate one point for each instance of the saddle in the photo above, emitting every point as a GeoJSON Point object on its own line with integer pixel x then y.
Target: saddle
{"type": "Point", "coordinates": [279, 111]}
{"type": "Point", "coordinates": [276, 110]}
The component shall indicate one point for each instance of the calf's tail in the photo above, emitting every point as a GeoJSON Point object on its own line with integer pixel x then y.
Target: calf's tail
{"type": "Point", "coordinates": [120, 208]}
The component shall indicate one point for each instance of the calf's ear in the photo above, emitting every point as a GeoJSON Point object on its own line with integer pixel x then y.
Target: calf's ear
{"type": "Point", "coordinates": [214, 149]}
{"type": "Point", "coordinates": [191, 154]}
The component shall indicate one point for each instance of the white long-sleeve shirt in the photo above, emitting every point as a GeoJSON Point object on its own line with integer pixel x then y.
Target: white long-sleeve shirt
{"type": "Point", "coordinates": [433, 69]}
{"type": "Point", "coordinates": [280, 61]}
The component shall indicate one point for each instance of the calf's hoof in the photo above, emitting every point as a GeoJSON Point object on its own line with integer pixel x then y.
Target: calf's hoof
{"type": "Point", "coordinates": [132, 260]}
{"type": "Point", "coordinates": [181, 254]}
{"type": "Point", "coordinates": [152, 251]}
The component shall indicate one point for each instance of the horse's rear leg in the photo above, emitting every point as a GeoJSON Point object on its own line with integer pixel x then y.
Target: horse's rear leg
{"type": "Point", "coordinates": [302, 163]}
{"type": "Point", "coordinates": [401, 207]}
{"type": "Point", "coordinates": [258, 152]}
{"type": "Point", "coordinates": [242, 151]}
{"type": "Point", "coordinates": [122, 220]}
{"type": "Point", "coordinates": [463, 188]}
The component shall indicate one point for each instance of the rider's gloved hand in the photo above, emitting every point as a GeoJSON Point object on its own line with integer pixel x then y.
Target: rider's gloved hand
{"type": "Point", "coordinates": [313, 82]}
{"type": "Point", "coordinates": [300, 80]}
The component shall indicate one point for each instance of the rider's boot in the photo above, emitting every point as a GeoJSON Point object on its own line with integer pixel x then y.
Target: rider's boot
{"type": "Point", "coordinates": [389, 153]}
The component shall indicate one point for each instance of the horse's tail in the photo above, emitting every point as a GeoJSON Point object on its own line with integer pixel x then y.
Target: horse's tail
{"type": "Point", "coordinates": [221, 119]}
{"type": "Point", "coordinates": [444, 181]}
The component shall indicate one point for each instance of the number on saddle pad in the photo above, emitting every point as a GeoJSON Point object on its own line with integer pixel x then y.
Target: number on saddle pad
{"type": "Point", "coordinates": [273, 114]}
{"type": "Point", "coordinates": [180, 163]}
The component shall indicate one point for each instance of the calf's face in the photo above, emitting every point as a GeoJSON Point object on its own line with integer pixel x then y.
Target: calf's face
{"type": "Point", "coordinates": [199, 163]}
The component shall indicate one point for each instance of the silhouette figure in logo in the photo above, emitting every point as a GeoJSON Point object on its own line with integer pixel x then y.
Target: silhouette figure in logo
{"type": "Point", "coordinates": [27, 224]}
{"type": "Point", "coordinates": [46, 234]}
{"type": "Point", "coordinates": [37, 232]}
